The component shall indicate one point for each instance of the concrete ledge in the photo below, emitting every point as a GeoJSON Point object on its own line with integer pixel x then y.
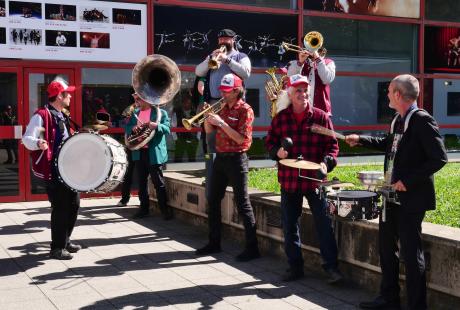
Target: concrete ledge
{"type": "Point", "coordinates": [357, 241]}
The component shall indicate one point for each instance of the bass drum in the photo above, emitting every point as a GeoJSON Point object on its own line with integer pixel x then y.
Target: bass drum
{"type": "Point", "coordinates": [90, 162]}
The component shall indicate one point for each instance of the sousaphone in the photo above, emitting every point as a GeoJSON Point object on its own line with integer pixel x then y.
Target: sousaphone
{"type": "Point", "coordinates": [156, 79]}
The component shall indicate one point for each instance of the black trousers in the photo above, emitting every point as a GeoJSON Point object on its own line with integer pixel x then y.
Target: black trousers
{"type": "Point", "coordinates": [128, 180]}
{"type": "Point", "coordinates": [230, 168]}
{"type": "Point", "coordinates": [407, 228]}
{"type": "Point", "coordinates": [144, 168]}
{"type": "Point", "coordinates": [64, 211]}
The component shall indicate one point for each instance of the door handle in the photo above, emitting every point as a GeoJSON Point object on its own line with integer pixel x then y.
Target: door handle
{"type": "Point", "coordinates": [18, 132]}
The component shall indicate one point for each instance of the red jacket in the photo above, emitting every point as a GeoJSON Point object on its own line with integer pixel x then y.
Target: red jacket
{"type": "Point", "coordinates": [322, 96]}
{"type": "Point", "coordinates": [42, 168]}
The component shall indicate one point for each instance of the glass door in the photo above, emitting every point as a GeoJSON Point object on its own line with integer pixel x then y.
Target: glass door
{"type": "Point", "coordinates": [11, 151]}
{"type": "Point", "coordinates": [36, 81]}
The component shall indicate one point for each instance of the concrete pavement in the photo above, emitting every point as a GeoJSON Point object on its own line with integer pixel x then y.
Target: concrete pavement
{"type": "Point", "coordinates": [143, 264]}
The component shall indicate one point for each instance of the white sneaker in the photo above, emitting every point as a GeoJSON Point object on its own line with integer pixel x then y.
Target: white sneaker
{"type": "Point", "coordinates": [121, 204]}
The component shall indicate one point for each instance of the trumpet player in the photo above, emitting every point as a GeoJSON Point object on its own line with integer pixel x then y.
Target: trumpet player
{"type": "Point", "coordinates": [320, 72]}
{"type": "Point", "coordinates": [222, 63]}
{"type": "Point", "coordinates": [233, 125]}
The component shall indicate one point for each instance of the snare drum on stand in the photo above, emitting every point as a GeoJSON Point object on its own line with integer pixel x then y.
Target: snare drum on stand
{"type": "Point", "coordinates": [90, 162]}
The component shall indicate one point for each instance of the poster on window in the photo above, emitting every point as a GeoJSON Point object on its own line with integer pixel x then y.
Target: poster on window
{"type": "Point", "coordinates": [396, 8]}
{"type": "Point", "coordinates": [442, 49]}
{"type": "Point", "coordinates": [73, 30]}
{"type": "Point", "coordinates": [188, 35]}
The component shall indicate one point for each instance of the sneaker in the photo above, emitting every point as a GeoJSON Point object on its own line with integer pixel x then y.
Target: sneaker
{"type": "Point", "coordinates": [333, 276]}
{"type": "Point", "coordinates": [248, 254]}
{"type": "Point", "coordinates": [61, 254]}
{"type": "Point", "coordinates": [292, 275]}
{"type": "Point", "coordinates": [121, 203]}
{"type": "Point", "coordinates": [141, 214]}
{"type": "Point", "coordinates": [208, 249]}
{"type": "Point", "coordinates": [72, 247]}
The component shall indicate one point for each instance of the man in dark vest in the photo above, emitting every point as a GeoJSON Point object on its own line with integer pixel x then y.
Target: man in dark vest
{"type": "Point", "coordinates": [320, 72]}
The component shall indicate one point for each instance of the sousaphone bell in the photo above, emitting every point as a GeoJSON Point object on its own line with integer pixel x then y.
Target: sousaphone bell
{"type": "Point", "coordinates": [156, 79]}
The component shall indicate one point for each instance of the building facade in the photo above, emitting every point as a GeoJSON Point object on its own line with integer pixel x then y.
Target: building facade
{"type": "Point", "coordinates": [95, 44]}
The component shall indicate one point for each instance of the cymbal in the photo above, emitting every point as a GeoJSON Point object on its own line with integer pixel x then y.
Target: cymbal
{"type": "Point", "coordinates": [300, 164]}
{"type": "Point", "coordinates": [95, 127]}
{"type": "Point", "coordinates": [335, 184]}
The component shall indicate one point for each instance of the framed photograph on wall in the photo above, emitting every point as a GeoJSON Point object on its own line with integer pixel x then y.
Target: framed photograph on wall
{"type": "Point", "coordinates": [453, 104]}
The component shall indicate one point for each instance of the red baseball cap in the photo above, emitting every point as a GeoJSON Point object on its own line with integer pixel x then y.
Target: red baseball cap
{"type": "Point", "coordinates": [297, 79]}
{"type": "Point", "coordinates": [58, 86]}
{"type": "Point", "coordinates": [229, 82]}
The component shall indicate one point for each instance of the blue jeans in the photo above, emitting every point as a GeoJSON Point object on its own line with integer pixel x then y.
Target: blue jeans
{"type": "Point", "coordinates": [291, 210]}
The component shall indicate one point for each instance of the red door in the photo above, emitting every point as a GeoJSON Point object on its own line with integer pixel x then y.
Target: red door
{"type": "Point", "coordinates": [12, 178]}
{"type": "Point", "coordinates": [35, 82]}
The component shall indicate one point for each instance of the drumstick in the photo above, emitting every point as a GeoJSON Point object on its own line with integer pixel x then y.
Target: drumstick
{"type": "Point", "coordinates": [327, 132]}
{"type": "Point", "coordinates": [40, 130]}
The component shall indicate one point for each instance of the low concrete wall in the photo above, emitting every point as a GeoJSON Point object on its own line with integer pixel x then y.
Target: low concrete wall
{"type": "Point", "coordinates": [357, 241]}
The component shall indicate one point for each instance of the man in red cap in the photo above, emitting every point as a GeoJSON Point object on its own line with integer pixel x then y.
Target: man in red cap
{"type": "Point", "coordinates": [230, 61]}
{"type": "Point", "coordinates": [294, 122]}
{"type": "Point", "coordinates": [233, 126]}
{"type": "Point", "coordinates": [47, 128]}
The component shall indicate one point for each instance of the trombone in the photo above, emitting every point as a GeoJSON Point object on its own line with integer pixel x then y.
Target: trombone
{"type": "Point", "coordinates": [199, 119]}
{"type": "Point", "coordinates": [313, 42]}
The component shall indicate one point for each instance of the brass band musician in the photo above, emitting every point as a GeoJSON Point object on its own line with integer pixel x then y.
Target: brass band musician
{"type": "Point", "coordinates": [319, 70]}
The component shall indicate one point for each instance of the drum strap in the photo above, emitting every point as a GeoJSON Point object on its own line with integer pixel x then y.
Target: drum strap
{"type": "Point", "coordinates": [406, 121]}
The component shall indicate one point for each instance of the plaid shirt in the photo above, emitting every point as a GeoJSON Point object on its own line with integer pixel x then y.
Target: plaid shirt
{"type": "Point", "coordinates": [239, 118]}
{"type": "Point", "coordinates": [313, 147]}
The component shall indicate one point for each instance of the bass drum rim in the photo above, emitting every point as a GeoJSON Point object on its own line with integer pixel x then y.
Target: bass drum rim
{"type": "Point", "coordinates": [65, 177]}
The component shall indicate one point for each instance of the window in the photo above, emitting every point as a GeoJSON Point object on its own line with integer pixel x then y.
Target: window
{"type": "Point", "coordinates": [398, 8]}
{"type": "Point", "coordinates": [105, 91]}
{"type": "Point", "coordinates": [367, 46]}
{"type": "Point", "coordinates": [360, 101]}
{"type": "Point", "coordinates": [179, 36]}
{"type": "Point", "coordinates": [443, 10]}
{"type": "Point", "coordinates": [284, 4]}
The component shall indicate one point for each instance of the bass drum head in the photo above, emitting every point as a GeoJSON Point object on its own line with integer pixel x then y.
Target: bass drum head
{"type": "Point", "coordinates": [84, 161]}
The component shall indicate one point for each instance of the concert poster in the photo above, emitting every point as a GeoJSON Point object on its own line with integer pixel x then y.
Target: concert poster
{"type": "Point", "coordinates": [188, 35]}
{"type": "Point", "coordinates": [395, 8]}
{"type": "Point", "coordinates": [442, 49]}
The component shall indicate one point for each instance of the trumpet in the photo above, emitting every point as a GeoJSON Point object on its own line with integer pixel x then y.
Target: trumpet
{"type": "Point", "coordinates": [213, 63]}
{"type": "Point", "coordinates": [199, 119]}
{"type": "Point", "coordinates": [313, 42]}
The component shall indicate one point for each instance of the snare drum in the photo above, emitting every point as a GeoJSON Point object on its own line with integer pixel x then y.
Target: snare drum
{"type": "Point", "coordinates": [90, 162]}
{"type": "Point", "coordinates": [353, 204]}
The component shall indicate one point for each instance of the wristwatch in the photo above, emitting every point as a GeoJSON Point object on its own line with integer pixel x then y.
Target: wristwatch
{"type": "Point", "coordinates": [221, 123]}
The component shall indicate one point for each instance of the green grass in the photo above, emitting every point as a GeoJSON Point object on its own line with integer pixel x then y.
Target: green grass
{"type": "Point", "coordinates": [447, 183]}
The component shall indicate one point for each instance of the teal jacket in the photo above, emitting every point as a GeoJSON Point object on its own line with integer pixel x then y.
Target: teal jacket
{"type": "Point", "coordinates": [158, 152]}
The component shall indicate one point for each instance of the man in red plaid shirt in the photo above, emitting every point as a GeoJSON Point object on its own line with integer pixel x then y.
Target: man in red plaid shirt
{"type": "Point", "coordinates": [233, 138]}
{"type": "Point", "coordinates": [295, 122]}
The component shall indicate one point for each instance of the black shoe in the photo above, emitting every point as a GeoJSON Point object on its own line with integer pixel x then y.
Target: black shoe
{"type": "Point", "coordinates": [72, 247]}
{"type": "Point", "coordinates": [333, 276]}
{"type": "Point", "coordinates": [141, 214]}
{"type": "Point", "coordinates": [380, 303]}
{"type": "Point", "coordinates": [248, 254]}
{"type": "Point", "coordinates": [61, 254]}
{"type": "Point", "coordinates": [208, 249]}
{"type": "Point", "coordinates": [292, 275]}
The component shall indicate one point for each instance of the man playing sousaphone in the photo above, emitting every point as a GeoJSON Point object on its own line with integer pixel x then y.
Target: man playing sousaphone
{"type": "Point", "coordinates": [295, 122]}
{"type": "Point", "coordinates": [319, 70]}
